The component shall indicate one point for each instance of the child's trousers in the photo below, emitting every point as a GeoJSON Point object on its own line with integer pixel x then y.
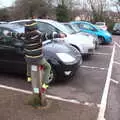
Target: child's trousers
{"type": "Point", "coordinates": [38, 62]}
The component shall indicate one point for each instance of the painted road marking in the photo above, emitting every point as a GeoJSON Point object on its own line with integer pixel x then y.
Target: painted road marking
{"type": "Point", "coordinates": [98, 53]}
{"type": "Point", "coordinates": [115, 81]}
{"type": "Point", "coordinates": [102, 46]}
{"type": "Point", "coordinates": [50, 96]}
{"type": "Point", "coordinates": [106, 88]}
{"type": "Point", "coordinates": [92, 67]}
{"type": "Point", "coordinates": [117, 44]}
{"type": "Point", "coordinates": [116, 62]}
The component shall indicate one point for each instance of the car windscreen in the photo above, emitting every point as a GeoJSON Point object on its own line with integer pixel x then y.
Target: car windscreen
{"type": "Point", "coordinates": [61, 27]}
{"type": "Point", "coordinates": [70, 29]}
{"type": "Point", "coordinates": [75, 27]}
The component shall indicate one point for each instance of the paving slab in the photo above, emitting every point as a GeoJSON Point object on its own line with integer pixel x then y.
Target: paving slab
{"type": "Point", "coordinates": [13, 106]}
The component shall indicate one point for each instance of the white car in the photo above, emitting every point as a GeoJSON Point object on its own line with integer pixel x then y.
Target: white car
{"type": "Point", "coordinates": [79, 41]}
{"type": "Point", "coordinates": [75, 30]}
{"type": "Point", "coordinates": [101, 25]}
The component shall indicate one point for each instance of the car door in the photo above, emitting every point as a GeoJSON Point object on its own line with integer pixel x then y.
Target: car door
{"type": "Point", "coordinates": [87, 28]}
{"type": "Point", "coordinates": [11, 53]}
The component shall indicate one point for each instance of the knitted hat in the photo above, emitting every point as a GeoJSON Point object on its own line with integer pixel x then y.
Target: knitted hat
{"type": "Point", "coordinates": [31, 26]}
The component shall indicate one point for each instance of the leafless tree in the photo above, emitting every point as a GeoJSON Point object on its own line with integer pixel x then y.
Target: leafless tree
{"type": "Point", "coordinates": [30, 8]}
{"type": "Point", "coordinates": [98, 8]}
{"type": "Point", "coordinates": [116, 5]}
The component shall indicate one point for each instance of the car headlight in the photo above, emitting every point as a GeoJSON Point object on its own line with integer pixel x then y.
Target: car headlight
{"type": "Point", "coordinates": [65, 57]}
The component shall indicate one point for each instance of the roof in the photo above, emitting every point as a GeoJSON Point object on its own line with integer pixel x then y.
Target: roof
{"type": "Point", "coordinates": [15, 27]}
{"type": "Point", "coordinates": [81, 22]}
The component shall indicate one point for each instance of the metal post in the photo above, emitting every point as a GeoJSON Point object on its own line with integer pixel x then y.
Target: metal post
{"type": "Point", "coordinates": [37, 75]}
{"type": "Point", "coordinates": [42, 94]}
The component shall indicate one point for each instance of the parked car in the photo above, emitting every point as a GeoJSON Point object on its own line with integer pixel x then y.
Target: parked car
{"type": "Point", "coordinates": [81, 42]}
{"type": "Point", "coordinates": [103, 36]}
{"type": "Point", "coordinates": [76, 30]}
{"type": "Point", "coordinates": [2, 22]}
{"type": "Point", "coordinates": [116, 29]}
{"type": "Point", "coordinates": [101, 25]}
{"type": "Point", "coordinates": [64, 59]}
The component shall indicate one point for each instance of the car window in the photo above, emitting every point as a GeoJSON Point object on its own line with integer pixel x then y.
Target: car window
{"type": "Point", "coordinates": [75, 27]}
{"type": "Point", "coordinates": [70, 29]}
{"type": "Point", "coordinates": [86, 26]}
{"type": "Point", "coordinates": [45, 27]}
{"type": "Point", "coordinates": [3, 38]}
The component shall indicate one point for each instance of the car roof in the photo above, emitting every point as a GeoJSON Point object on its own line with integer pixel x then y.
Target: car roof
{"type": "Point", "coordinates": [80, 22]}
{"type": "Point", "coordinates": [89, 23]}
{"type": "Point", "coordinates": [56, 24]}
{"type": "Point", "coordinates": [2, 22]}
{"type": "Point", "coordinates": [15, 27]}
{"type": "Point", "coordinates": [53, 22]}
{"type": "Point", "coordinates": [26, 20]}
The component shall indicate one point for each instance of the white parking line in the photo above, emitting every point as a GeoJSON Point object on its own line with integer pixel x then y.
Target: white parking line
{"type": "Point", "coordinates": [102, 46]}
{"type": "Point", "coordinates": [117, 44]}
{"type": "Point", "coordinates": [97, 53]}
{"type": "Point", "coordinates": [106, 88]}
{"type": "Point", "coordinates": [115, 81]}
{"type": "Point", "coordinates": [116, 62]}
{"type": "Point", "coordinates": [92, 67]}
{"type": "Point", "coordinates": [51, 97]}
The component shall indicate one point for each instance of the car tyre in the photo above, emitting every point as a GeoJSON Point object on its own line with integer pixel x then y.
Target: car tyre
{"type": "Point", "coordinates": [52, 77]}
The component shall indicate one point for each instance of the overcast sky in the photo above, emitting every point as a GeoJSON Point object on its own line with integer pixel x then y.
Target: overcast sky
{"type": "Point", "coordinates": [6, 3]}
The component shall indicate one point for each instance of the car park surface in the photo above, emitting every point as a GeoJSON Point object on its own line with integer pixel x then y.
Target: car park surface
{"type": "Point", "coordinates": [87, 86]}
{"type": "Point", "coordinates": [104, 36]}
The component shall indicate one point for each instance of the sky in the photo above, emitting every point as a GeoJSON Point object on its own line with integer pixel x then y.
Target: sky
{"type": "Point", "coordinates": [6, 3]}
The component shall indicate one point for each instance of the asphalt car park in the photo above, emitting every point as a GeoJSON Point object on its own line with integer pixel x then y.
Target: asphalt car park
{"type": "Point", "coordinates": [94, 84]}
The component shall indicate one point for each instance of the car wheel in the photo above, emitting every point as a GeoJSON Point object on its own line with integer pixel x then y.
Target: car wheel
{"type": "Point", "coordinates": [52, 76]}
{"type": "Point", "coordinates": [76, 48]}
{"type": "Point", "coordinates": [101, 40]}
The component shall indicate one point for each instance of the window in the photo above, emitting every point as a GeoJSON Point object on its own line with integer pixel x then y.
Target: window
{"type": "Point", "coordinates": [86, 26]}
{"type": "Point", "coordinates": [45, 27]}
{"type": "Point", "coordinates": [5, 39]}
